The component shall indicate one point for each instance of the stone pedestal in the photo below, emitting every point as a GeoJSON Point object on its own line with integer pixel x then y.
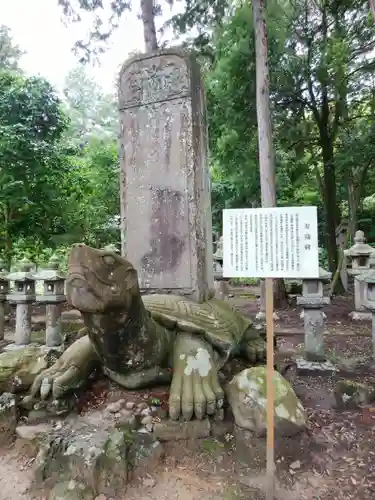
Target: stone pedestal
{"type": "Point", "coordinates": [368, 279]}
{"type": "Point", "coordinates": [221, 287]}
{"type": "Point", "coordinates": [53, 297]}
{"type": "Point", "coordinates": [166, 226]}
{"type": "Point", "coordinates": [261, 314]}
{"type": "Point", "coordinates": [221, 284]}
{"type": "Point", "coordinates": [23, 295]}
{"type": "Point", "coordinates": [54, 336]}
{"type": "Point", "coordinates": [2, 319]}
{"type": "Point", "coordinates": [313, 318]}
{"type": "Point", "coordinates": [23, 323]}
{"type": "Point", "coordinates": [312, 302]}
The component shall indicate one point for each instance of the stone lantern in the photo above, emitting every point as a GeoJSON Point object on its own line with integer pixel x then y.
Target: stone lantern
{"type": "Point", "coordinates": [4, 289]}
{"type": "Point", "coordinates": [369, 295]}
{"type": "Point", "coordinates": [359, 254]}
{"type": "Point", "coordinates": [23, 295]}
{"type": "Point", "coordinates": [221, 284]}
{"type": "Point", "coordinates": [53, 298]}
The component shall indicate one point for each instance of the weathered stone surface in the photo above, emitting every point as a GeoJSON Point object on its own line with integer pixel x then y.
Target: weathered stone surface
{"type": "Point", "coordinates": [144, 455]}
{"type": "Point", "coordinates": [164, 176]}
{"type": "Point", "coordinates": [8, 417]}
{"type": "Point", "coordinates": [19, 367]}
{"type": "Point", "coordinates": [170, 430]}
{"type": "Point", "coordinates": [91, 451]}
{"type": "Point", "coordinates": [247, 395]}
{"type": "Point", "coordinates": [70, 490]}
{"type": "Point", "coordinates": [351, 394]}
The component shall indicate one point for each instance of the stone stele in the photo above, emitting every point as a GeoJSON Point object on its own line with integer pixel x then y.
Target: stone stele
{"type": "Point", "coordinates": [166, 224]}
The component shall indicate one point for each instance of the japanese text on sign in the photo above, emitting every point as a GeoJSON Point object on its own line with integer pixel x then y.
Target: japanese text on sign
{"type": "Point", "coordinates": [270, 242]}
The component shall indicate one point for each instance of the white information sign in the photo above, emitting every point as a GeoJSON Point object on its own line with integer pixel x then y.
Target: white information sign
{"type": "Point", "coordinates": [270, 242]}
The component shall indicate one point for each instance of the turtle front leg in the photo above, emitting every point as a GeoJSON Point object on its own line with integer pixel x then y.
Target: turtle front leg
{"type": "Point", "coordinates": [195, 388]}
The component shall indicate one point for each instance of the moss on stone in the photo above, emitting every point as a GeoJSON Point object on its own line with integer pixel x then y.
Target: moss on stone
{"type": "Point", "coordinates": [247, 394]}
{"type": "Point", "coordinates": [19, 367]}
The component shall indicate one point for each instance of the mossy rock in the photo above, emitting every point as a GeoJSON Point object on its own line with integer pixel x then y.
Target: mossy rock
{"type": "Point", "coordinates": [19, 367]}
{"type": "Point", "coordinates": [247, 395]}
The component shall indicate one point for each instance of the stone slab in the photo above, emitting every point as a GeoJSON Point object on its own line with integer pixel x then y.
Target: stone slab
{"type": "Point", "coordinates": [165, 186]}
{"type": "Point", "coordinates": [317, 368]}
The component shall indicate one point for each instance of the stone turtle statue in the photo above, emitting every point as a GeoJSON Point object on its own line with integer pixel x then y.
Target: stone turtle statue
{"type": "Point", "coordinates": [149, 340]}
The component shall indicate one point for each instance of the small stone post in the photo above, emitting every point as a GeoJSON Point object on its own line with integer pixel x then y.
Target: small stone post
{"type": "Point", "coordinates": [313, 301]}
{"type": "Point", "coordinates": [369, 296]}
{"type": "Point", "coordinates": [53, 298]}
{"type": "Point", "coordinates": [359, 253]}
{"type": "Point", "coordinates": [23, 295]}
{"type": "Point", "coordinates": [4, 288]}
{"type": "Point", "coordinates": [221, 284]}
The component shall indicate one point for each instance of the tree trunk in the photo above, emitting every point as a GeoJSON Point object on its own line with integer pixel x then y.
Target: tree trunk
{"type": "Point", "coordinates": [330, 206]}
{"type": "Point", "coordinates": [353, 202]}
{"type": "Point", "coordinates": [372, 7]}
{"type": "Point", "coordinates": [266, 153]}
{"type": "Point", "coordinates": [149, 30]}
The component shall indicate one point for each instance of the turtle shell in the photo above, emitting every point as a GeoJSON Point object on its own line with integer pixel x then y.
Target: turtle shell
{"type": "Point", "coordinates": [215, 320]}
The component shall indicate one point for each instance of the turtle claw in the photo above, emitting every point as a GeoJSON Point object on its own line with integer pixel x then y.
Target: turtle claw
{"type": "Point", "coordinates": [195, 389]}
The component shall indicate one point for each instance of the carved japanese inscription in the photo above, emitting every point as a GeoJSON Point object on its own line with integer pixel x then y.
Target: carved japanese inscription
{"type": "Point", "coordinates": [153, 80]}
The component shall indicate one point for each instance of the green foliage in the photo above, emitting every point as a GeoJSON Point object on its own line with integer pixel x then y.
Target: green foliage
{"type": "Point", "coordinates": [33, 167]}
{"type": "Point", "coordinates": [58, 167]}
{"type": "Point", "coordinates": [94, 204]}
{"type": "Point", "coordinates": [321, 64]}
{"type": "Point", "coordinates": [92, 113]}
{"type": "Point", "coordinates": [231, 96]}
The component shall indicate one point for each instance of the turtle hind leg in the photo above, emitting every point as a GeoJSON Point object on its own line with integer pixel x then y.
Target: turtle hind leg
{"type": "Point", "coordinates": [141, 379]}
{"type": "Point", "coordinates": [254, 351]}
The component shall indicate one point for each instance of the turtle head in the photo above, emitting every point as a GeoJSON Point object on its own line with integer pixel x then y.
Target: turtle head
{"type": "Point", "coordinates": [99, 281]}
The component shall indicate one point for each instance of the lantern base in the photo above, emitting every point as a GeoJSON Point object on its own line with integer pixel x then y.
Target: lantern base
{"type": "Point", "coordinates": [360, 316]}
{"type": "Point", "coordinates": [314, 368]}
